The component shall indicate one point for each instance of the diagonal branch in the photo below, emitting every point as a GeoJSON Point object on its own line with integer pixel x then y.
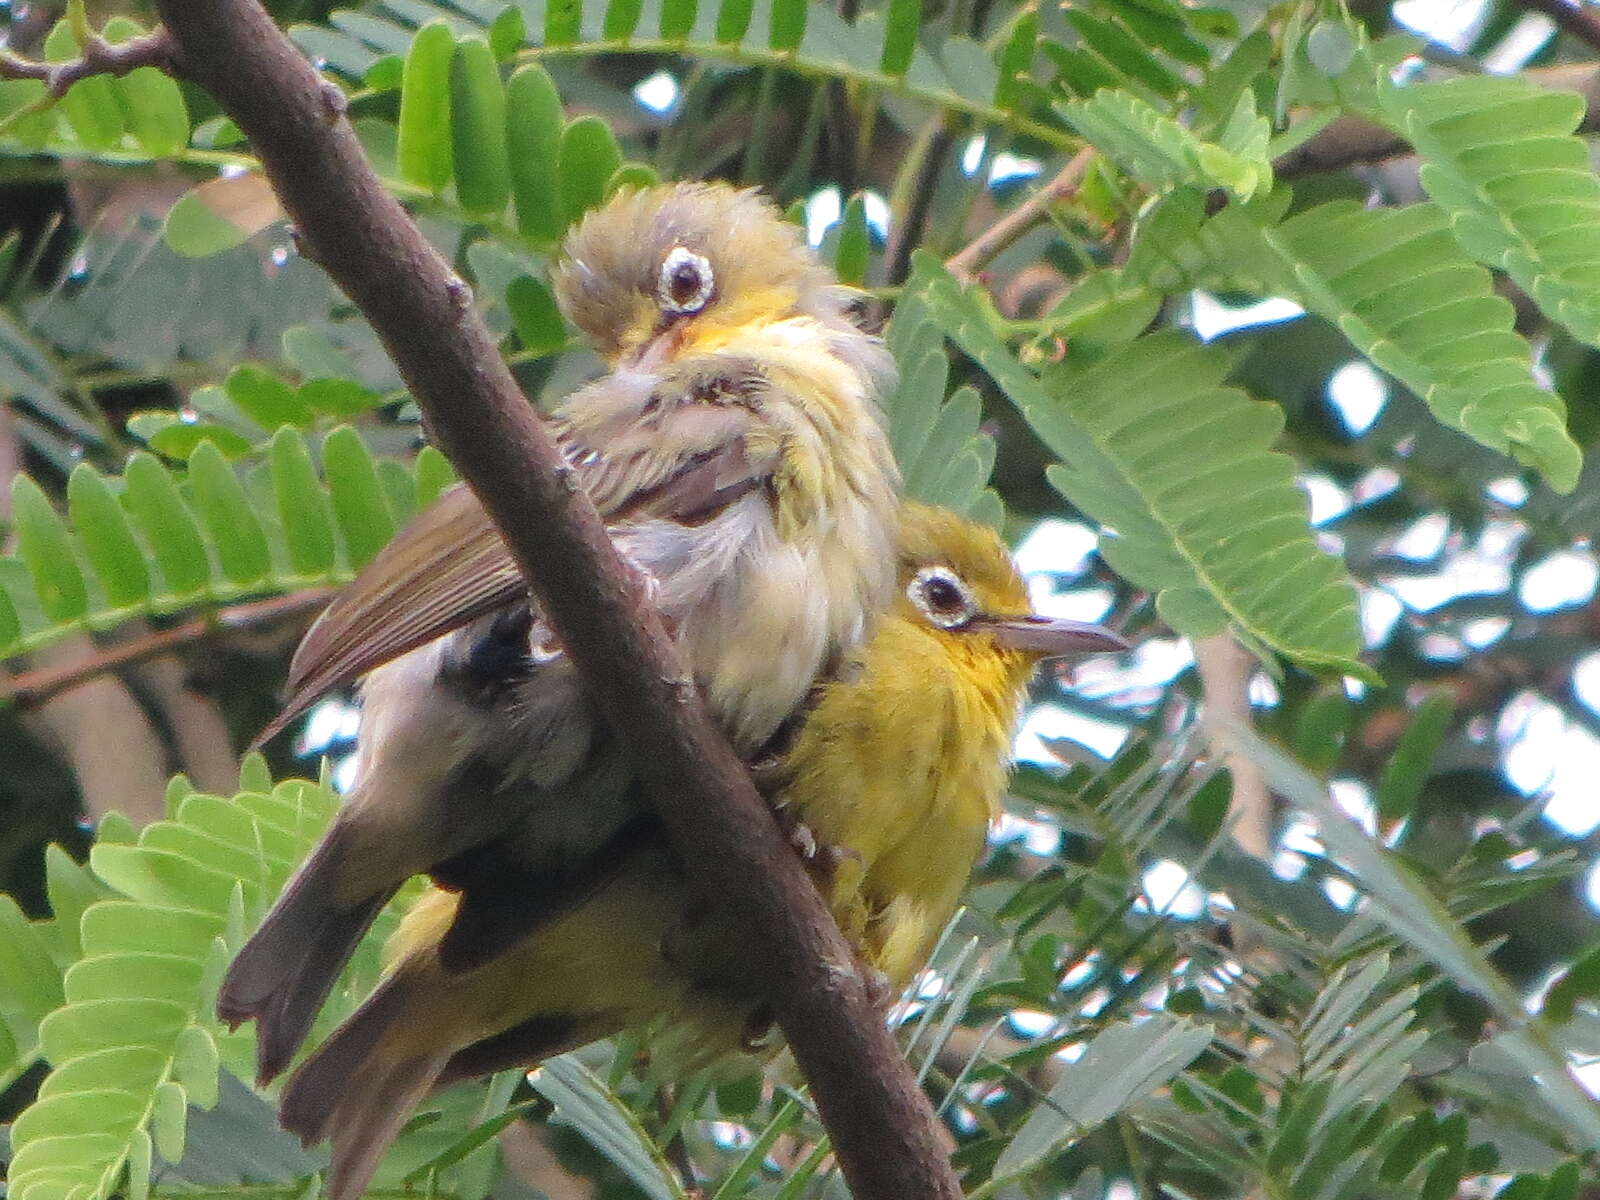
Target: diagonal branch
{"type": "Point", "coordinates": [1573, 17]}
{"type": "Point", "coordinates": [882, 1127]}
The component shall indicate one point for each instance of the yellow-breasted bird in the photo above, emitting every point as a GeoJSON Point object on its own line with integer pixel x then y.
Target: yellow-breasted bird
{"type": "Point", "coordinates": [736, 451]}
{"type": "Point", "coordinates": [899, 765]}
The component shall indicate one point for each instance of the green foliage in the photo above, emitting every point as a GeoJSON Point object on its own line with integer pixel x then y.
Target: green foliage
{"type": "Point", "coordinates": [1398, 286]}
{"type": "Point", "coordinates": [1527, 216]}
{"type": "Point", "coordinates": [1162, 153]}
{"type": "Point", "coordinates": [423, 149]}
{"type": "Point", "coordinates": [582, 1098]}
{"type": "Point", "coordinates": [1405, 906]}
{"type": "Point", "coordinates": [133, 1043]}
{"type": "Point", "coordinates": [128, 1028]}
{"type": "Point", "coordinates": [203, 419]}
{"type": "Point", "coordinates": [1327, 1134]}
{"type": "Point", "coordinates": [156, 541]}
{"type": "Point", "coordinates": [1121, 1064]}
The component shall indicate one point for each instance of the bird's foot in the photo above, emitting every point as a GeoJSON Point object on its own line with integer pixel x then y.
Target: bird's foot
{"type": "Point", "coordinates": [821, 858]}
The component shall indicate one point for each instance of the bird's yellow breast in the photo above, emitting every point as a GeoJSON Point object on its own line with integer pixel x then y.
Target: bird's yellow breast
{"type": "Point", "coordinates": [903, 769]}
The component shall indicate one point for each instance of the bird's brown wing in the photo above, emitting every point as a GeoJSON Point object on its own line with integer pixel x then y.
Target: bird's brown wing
{"type": "Point", "coordinates": [445, 568]}
{"type": "Point", "coordinates": [685, 461]}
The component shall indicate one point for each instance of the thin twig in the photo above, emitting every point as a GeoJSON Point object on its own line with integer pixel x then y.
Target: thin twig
{"type": "Point", "coordinates": [35, 687]}
{"type": "Point", "coordinates": [98, 57]}
{"type": "Point", "coordinates": [1574, 19]}
{"type": "Point", "coordinates": [972, 258]}
{"type": "Point", "coordinates": [881, 1123]}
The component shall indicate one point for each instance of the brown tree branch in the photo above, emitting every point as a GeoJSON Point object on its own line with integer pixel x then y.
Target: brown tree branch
{"type": "Point", "coordinates": [882, 1127]}
{"type": "Point", "coordinates": [1346, 142]}
{"type": "Point", "coordinates": [35, 687]}
{"type": "Point", "coordinates": [1575, 18]}
{"type": "Point", "coordinates": [97, 57]}
{"type": "Point", "coordinates": [104, 735]}
{"type": "Point", "coordinates": [193, 721]}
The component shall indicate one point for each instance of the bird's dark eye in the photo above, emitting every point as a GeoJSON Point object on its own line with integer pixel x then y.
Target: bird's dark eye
{"type": "Point", "coordinates": [940, 596]}
{"type": "Point", "coordinates": [686, 282]}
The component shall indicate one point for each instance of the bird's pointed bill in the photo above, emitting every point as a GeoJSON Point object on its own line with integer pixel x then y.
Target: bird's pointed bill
{"type": "Point", "coordinates": [1054, 637]}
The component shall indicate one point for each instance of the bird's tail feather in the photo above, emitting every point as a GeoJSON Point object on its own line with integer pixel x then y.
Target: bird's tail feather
{"type": "Point", "coordinates": [285, 971]}
{"type": "Point", "coordinates": [522, 1046]}
{"type": "Point", "coordinates": [357, 1091]}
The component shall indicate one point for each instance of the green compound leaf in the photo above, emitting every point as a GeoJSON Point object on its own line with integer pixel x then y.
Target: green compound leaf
{"type": "Point", "coordinates": [225, 508]}
{"type": "Point", "coordinates": [533, 139]}
{"type": "Point", "coordinates": [854, 249]}
{"type": "Point", "coordinates": [152, 103]}
{"type": "Point", "coordinates": [588, 157]}
{"type": "Point", "coordinates": [90, 105]}
{"type": "Point", "coordinates": [45, 546]}
{"type": "Point", "coordinates": [1400, 288]}
{"type": "Point", "coordinates": [1197, 506]}
{"type": "Point", "coordinates": [358, 501]}
{"type": "Point", "coordinates": [131, 1038]}
{"type": "Point", "coordinates": [154, 542]}
{"type": "Point", "coordinates": [1393, 281]}
{"type": "Point", "coordinates": [900, 36]}
{"type": "Point", "coordinates": [944, 455]}
{"type": "Point", "coordinates": [788, 26]}
{"type": "Point", "coordinates": [1159, 152]}
{"type": "Point", "coordinates": [302, 508]}
{"type": "Point", "coordinates": [107, 538]}
{"type": "Point", "coordinates": [1499, 157]}
{"type": "Point", "coordinates": [266, 399]}
{"type": "Point", "coordinates": [678, 18]}
{"type": "Point", "coordinates": [607, 1124]}
{"type": "Point", "coordinates": [534, 315]}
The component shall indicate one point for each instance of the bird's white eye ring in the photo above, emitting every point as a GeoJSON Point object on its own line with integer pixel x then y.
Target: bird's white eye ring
{"type": "Point", "coordinates": [940, 596]}
{"type": "Point", "coordinates": [686, 282]}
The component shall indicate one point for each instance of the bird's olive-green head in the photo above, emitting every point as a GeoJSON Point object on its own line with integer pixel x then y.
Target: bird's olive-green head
{"type": "Point", "coordinates": [663, 270]}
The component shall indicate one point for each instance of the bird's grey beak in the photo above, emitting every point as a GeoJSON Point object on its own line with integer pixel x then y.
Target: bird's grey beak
{"type": "Point", "coordinates": [658, 351]}
{"type": "Point", "coordinates": [1054, 637]}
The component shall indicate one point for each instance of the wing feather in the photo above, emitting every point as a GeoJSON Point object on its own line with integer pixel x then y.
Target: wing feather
{"type": "Point", "coordinates": [444, 569]}
{"type": "Point", "coordinates": [681, 450]}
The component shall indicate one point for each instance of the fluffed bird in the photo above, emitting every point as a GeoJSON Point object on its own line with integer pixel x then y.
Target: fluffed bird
{"type": "Point", "coordinates": [736, 451]}
{"type": "Point", "coordinates": [898, 765]}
